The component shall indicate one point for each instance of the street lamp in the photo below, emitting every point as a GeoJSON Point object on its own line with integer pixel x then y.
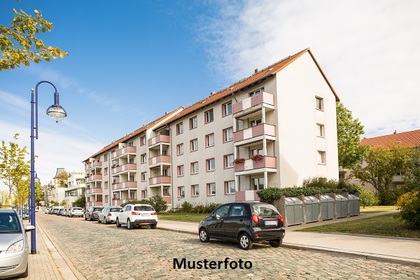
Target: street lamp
{"type": "Point", "coordinates": [57, 113]}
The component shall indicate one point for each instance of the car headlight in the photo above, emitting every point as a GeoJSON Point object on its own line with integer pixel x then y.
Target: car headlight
{"type": "Point", "coordinates": [16, 247]}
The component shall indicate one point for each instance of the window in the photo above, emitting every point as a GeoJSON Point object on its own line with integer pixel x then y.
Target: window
{"type": "Point", "coordinates": [144, 194]}
{"type": "Point", "coordinates": [211, 189]}
{"type": "Point", "coordinates": [222, 211]}
{"type": "Point", "coordinates": [255, 92]}
{"type": "Point", "coordinates": [227, 109]}
{"type": "Point", "coordinates": [256, 151]}
{"type": "Point", "coordinates": [319, 103]}
{"type": "Point", "coordinates": [142, 140]}
{"type": "Point", "coordinates": [258, 183]}
{"type": "Point", "coordinates": [105, 158]}
{"type": "Point", "coordinates": [321, 157]}
{"type": "Point", "coordinates": [194, 168]}
{"type": "Point", "coordinates": [106, 171]}
{"type": "Point", "coordinates": [181, 191]}
{"type": "Point", "coordinates": [230, 187]}
{"type": "Point", "coordinates": [180, 170]}
{"type": "Point", "coordinates": [320, 130]}
{"type": "Point", "coordinates": [130, 144]}
{"type": "Point", "coordinates": [237, 210]}
{"type": "Point", "coordinates": [143, 158]}
{"type": "Point", "coordinates": [180, 149]}
{"type": "Point", "coordinates": [166, 191]}
{"type": "Point", "coordinates": [228, 134]}
{"type": "Point", "coordinates": [228, 161]}
{"type": "Point", "coordinates": [255, 122]}
{"type": "Point", "coordinates": [193, 122]}
{"type": "Point", "coordinates": [208, 116]}
{"type": "Point", "coordinates": [143, 176]}
{"type": "Point", "coordinates": [209, 140]}
{"type": "Point", "coordinates": [195, 191]}
{"type": "Point", "coordinates": [179, 128]}
{"type": "Point", "coordinates": [210, 164]}
{"type": "Point", "coordinates": [194, 145]}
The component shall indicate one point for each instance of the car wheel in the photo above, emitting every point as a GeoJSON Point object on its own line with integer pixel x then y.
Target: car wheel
{"type": "Point", "coordinates": [245, 241]}
{"type": "Point", "coordinates": [153, 226]}
{"type": "Point", "coordinates": [99, 221]}
{"type": "Point", "coordinates": [117, 222]}
{"type": "Point", "coordinates": [275, 243]}
{"type": "Point", "coordinates": [85, 218]}
{"type": "Point", "coordinates": [204, 237]}
{"type": "Point", "coordinates": [129, 225]}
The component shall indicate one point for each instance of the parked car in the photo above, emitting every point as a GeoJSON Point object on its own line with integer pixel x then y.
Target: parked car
{"type": "Point", "coordinates": [54, 209]}
{"type": "Point", "coordinates": [60, 212]}
{"type": "Point", "coordinates": [47, 210]}
{"type": "Point", "coordinates": [245, 223]}
{"type": "Point", "coordinates": [13, 245]}
{"type": "Point", "coordinates": [75, 212]}
{"type": "Point", "coordinates": [92, 213]}
{"type": "Point", "coordinates": [108, 214]}
{"type": "Point", "coordinates": [134, 215]}
{"type": "Point", "coordinates": [25, 214]}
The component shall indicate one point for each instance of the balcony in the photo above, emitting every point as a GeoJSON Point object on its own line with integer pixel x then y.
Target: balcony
{"type": "Point", "coordinates": [249, 164]}
{"type": "Point", "coordinates": [159, 180]}
{"type": "Point", "coordinates": [124, 151]}
{"type": "Point", "coordinates": [94, 191]}
{"type": "Point", "coordinates": [94, 203]}
{"type": "Point", "coordinates": [93, 164]}
{"type": "Point", "coordinates": [159, 139]}
{"type": "Point", "coordinates": [125, 185]}
{"type": "Point", "coordinates": [160, 160]}
{"type": "Point", "coordinates": [93, 178]}
{"type": "Point", "coordinates": [261, 131]}
{"type": "Point", "coordinates": [124, 168]}
{"type": "Point", "coordinates": [167, 199]}
{"type": "Point", "coordinates": [253, 103]}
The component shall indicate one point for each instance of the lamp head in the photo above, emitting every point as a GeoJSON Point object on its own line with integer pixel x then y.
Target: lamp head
{"type": "Point", "coordinates": [56, 112]}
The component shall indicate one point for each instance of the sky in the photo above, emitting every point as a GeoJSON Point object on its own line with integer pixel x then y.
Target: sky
{"type": "Point", "coordinates": [131, 61]}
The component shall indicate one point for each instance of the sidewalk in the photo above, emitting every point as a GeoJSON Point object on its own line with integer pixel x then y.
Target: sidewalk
{"type": "Point", "coordinates": [400, 250]}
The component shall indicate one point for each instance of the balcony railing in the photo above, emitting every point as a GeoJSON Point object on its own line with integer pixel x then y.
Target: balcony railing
{"type": "Point", "coordinates": [159, 139]}
{"type": "Point", "coordinates": [125, 185]}
{"type": "Point", "coordinates": [255, 131]}
{"type": "Point", "coordinates": [94, 164]}
{"type": "Point", "coordinates": [249, 164]}
{"type": "Point", "coordinates": [262, 99]}
{"type": "Point", "coordinates": [160, 180]}
{"type": "Point", "coordinates": [93, 178]}
{"type": "Point", "coordinates": [159, 160]}
{"type": "Point", "coordinates": [94, 203]}
{"type": "Point", "coordinates": [94, 191]}
{"type": "Point", "coordinates": [124, 151]}
{"type": "Point", "coordinates": [124, 168]}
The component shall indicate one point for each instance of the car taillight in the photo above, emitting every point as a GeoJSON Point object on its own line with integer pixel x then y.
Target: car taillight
{"type": "Point", "coordinates": [256, 218]}
{"type": "Point", "coordinates": [281, 218]}
{"type": "Point", "coordinates": [154, 213]}
{"type": "Point", "coordinates": [134, 213]}
{"type": "Point", "coordinates": [109, 215]}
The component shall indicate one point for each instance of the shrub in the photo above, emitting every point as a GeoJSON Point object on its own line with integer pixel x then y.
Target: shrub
{"type": "Point", "coordinates": [211, 207]}
{"type": "Point", "coordinates": [158, 203]}
{"type": "Point", "coordinates": [186, 207]}
{"type": "Point", "coordinates": [409, 204]}
{"type": "Point", "coordinates": [199, 208]}
{"type": "Point", "coordinates": [367, 198]}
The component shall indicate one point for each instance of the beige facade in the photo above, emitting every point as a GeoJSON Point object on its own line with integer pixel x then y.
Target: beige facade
{"type": "Point", "coordinates": [272, 129]}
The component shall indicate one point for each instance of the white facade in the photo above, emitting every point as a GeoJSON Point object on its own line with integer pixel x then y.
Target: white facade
{"type": "Point", "coordinates": [285, 113]}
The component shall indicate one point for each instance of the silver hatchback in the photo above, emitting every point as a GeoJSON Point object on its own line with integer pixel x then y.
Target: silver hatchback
{"type": "Point", "coordinates": [13, 245]}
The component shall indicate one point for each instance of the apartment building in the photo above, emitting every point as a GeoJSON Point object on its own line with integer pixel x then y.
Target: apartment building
{"type": "Point", "coordinates": [75, 187]}
{"type": "Point", "coordinates": [275, 128]}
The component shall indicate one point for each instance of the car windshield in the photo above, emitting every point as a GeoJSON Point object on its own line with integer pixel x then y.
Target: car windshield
{"type": "Point", "coordinates": [9, 223]}
{"type": "Point", "coordinates": [143, 208]}
{"type": "Point", "coordinates": [265, 210]}
{"type": "Point", "coordinates": [114, 210]}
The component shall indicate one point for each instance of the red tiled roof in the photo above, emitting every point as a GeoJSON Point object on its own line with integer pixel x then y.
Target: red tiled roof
{"type": "Point", "coordinates": [409, 138]}
{"type": "Point", "coordinates": [256, 77]}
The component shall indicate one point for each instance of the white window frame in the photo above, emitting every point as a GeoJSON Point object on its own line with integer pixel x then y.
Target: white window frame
{"type": "Point", "coordinates": [180, 149]}
{"type": "Point", "coordinates": [228, 134]}
{"type": "Point", "coordinates": [210, 164]}
{"type": "Point", "coordinates": [194, 145]}
{"type": "Point", "coordinates": [180, 170]}
{"type": "Point", "coordinates": [227, 109]}
{"type": "Point", "coordinates": [319, 103]}
{"type": "Point", "coordinates": [179, 128]}
{"type": "Point", "coordinates": [211, 189]}
{"type": "Point", "coordinates": [208, 116]}
{"type": "Point", "coordinates": [230, 187]}
{"type": "Point", "coordinates": [322, 157]}
{"type": "Point", "coordinates": [193, 122]}
{"type": "Point", "coordinates": [228, 161]}
{"type": "Point", "coordinates": [209, 140]}
{"type": "Point", "coordinates": [195, 190]}
{"type": "Point", "coordinates": [320, 130]}
{"type": "Point", "coordinates": [194, 168]}
{"type": "Point", "coordinates": [181, 191]}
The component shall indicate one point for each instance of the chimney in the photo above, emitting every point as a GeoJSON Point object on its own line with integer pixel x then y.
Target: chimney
{"type": "Point", "coordinates": [256, 71]}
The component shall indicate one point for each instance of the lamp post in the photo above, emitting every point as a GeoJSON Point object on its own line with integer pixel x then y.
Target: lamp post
{"type": "Point", "coordinates": [57, 113]}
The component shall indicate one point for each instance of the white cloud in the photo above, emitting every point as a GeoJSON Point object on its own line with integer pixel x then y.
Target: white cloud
{"type": "Point", "coordinates": [369, 50]}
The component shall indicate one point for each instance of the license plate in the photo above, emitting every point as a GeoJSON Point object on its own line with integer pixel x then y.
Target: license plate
{"type": "Point", "coordinates": [145, 214]}
{"type": "Point", "coordinates": [270, 223]}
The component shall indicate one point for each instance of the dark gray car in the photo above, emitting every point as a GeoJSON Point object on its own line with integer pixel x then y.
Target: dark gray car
{"type": "Point", "coordinates": [92, 213]}
{"type": "Point", "coordinates": [245, 223]}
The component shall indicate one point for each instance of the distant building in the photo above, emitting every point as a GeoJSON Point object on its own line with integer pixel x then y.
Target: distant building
{"type": "Point", "coordinates": [66, 191]}
{"type": "Point", "coordinates": [75, 188]}
{"type": "Point", "coordinates": [275, 128]}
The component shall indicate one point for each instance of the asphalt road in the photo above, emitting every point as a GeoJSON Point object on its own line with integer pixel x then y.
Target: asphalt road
{"type": "Point", "coordinates": [101, 251]}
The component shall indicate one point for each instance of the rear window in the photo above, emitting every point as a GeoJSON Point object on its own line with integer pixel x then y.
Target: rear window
{"type": "Point", "coordinates": [77, 208]}
{"type": "Point", "coordinates": [265, 210]}
{"type": "Point", "coordinates": [143, 208]}
{"type": "Point", "coordinates": [114, 210]}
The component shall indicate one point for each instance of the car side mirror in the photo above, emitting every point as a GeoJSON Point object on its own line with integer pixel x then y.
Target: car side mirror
{"type": "Point", "coordinates": [29, 228]}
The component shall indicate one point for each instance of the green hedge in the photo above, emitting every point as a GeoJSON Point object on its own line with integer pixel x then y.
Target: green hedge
{"type": "Point", "coordinates": [310, 187]}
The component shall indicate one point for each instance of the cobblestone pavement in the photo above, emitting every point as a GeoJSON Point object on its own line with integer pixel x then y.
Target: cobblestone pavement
{"type": "Point", "coordinates": [106, 252]}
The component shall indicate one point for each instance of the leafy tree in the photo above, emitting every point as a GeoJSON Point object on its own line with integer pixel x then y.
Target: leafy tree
{"type": "Point", "coordinates": [412, 177]}
{"type": "Point", "coordinates": [349, 130]}
{"type": "Point", "coordinates": [23, 31]}
{"type": "Point", "coordinates": [380, 166]}
{"type": "Point", "coordinates": [39, 193]}
{"type": "Point", "coordinates": [13, 166]}
{"type": "Point", "coordinates": [158, 203]}
{"type": "Point", "coordinates": [80, 202]}
{"type": "Point", "coordinates": [62, 178]}
{"type": "Point", "coordinates": [21, 191]}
